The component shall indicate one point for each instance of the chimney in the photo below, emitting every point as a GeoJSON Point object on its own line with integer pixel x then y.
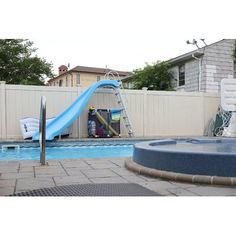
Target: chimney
{"type": "Point", "coordinates": [62, 69]}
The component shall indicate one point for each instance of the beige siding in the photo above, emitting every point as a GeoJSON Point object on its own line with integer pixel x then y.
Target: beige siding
{"type": "Point", "coordinates": [86, 79]}
{"type": "Point", "coordinates": [70, 79]}
{"type": "Point", "coordinates": [152, 113]}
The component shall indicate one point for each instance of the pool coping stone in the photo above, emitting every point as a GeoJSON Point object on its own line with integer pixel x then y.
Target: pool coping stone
{"type": "Point", "coordinates": [179, 177]}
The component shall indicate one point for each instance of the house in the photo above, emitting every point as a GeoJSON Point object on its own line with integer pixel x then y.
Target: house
{"type": "Point", "coordinates": [204, 68]}
{"type": "Point", "coordinates": [83, 76]}
{"type": "Point", "coordinates": [201, 69]}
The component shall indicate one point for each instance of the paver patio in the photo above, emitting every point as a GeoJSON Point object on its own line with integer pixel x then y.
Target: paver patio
{"type": "Point", "coordinates": [28, 175]}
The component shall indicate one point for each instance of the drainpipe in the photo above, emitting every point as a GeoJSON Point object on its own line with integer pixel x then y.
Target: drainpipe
{"type": "Point", "coordinates": [199, 71]}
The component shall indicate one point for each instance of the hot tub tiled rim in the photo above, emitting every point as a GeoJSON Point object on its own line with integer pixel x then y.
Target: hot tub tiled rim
{"type": "Point", "coordinates": [179, 177]}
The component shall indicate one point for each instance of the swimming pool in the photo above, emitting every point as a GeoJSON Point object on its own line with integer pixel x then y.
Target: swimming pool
{"type": "Point", "coordinates": [67, 150]}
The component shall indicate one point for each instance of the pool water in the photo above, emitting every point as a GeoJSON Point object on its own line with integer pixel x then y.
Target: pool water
{"type": "Point", "coordinates": [200, 147]}
{"type": "Point", "coordinates": [65, 152]}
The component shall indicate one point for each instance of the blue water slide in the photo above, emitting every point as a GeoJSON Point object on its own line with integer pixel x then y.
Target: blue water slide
{"type": "Point", "coordinates": [68, 116]}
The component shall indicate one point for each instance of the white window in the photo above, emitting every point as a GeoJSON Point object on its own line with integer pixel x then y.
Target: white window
{"type": "Point", "coordinates": [98, 78]}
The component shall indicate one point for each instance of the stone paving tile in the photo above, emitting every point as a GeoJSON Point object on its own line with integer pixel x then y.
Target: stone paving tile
{"type": "Point", "coordinates": [118, 162]}
{"type": "Point", "coordinates": [6, 191]}
{"type": "Point", "coordinates": [9, 163]}
{"type": "Point", "coordinates": [71, 160]}
{"type": "Point", "coordinates": [97, 161]}
{"type": "Point", "coordinates": [77, 164]}
{"type": "Point", "coordinates": [149, 179]}
{"type": "Point", "coordinates": [24, 169]}
{"type": "Point", "coordinates": [36, 183]}
{"type": "Point", "coordinates": [181, 192]}
{"type": "Point", "coordinates": [163, 193]}
{"type": "Point", "coordinates": [46, 167]}
{"type": "Point", "coordinates": [213, 191]}
{"type": "Point", "coordinates": [9, 170]}
{"type": "Point", "coordinates": [108, 180]}
{"type": "Point", "coordinates": [68, 180]}
{"type": "Point", "coordinates": [103, 165]}
{"type": "Point", "coordinates": [134, 179]}
{"type": "Point", "coordinates": [158, 185]}
{"type": "Point", "coordinates": [49, 171]}
{"type": "Point", "coordinates": [184, 185]}
{"type": "Point", "coordinates": [5, 183]}
{"type": "Point", "coordinates": [52, 174]}
{"type": "Point", "coordinates": [53, 163]}
{"type": "Point", "coordinates": [17, 175]}
{"type": "Point", "coordinates": [4, 166]}
{"type": "Point", "coordinates": [123, 171]}
{"type": "Point", "coordinates": [74, 171]}
{"type": "Point", "coordinates": [29, 163]}
{"type": "Point", "coordinates": [99, 173]}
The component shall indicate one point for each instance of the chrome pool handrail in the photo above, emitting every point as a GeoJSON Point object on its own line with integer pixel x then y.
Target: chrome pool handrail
{"type": "Point", "coordinates": [42, 131]}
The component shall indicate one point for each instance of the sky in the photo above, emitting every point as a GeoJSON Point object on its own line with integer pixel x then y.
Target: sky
{"type": "Point", "coordinates": [121, 35]}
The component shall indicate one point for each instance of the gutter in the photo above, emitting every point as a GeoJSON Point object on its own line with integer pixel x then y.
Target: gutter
{"type": "Point", "coordinates": [199, 71]}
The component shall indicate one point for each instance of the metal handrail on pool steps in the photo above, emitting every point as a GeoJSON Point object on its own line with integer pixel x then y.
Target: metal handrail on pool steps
{"type": "Point", "coordinates": [42, 131]}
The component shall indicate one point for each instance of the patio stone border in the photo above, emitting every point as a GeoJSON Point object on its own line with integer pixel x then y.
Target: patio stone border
{"type": "Point", "coordinates": [179, 177]}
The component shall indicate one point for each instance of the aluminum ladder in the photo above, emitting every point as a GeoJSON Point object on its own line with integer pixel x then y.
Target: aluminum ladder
{"type": "Point", "coordinates": [114, 75]}
{"type": "Point", "coordinates": [125, 116]}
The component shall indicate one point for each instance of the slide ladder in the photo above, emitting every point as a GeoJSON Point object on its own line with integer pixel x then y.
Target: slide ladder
{"type": "Point", "coordinates": [121, 101]}
{"type": "Point", "coordinates": [125, 116]}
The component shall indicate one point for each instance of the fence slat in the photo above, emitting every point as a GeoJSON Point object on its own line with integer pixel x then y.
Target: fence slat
{"type": "Point", "coordinates": [3, 131]}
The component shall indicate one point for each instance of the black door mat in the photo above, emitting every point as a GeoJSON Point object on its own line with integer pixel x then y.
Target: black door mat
{"type": "Point", "coordinates": [91, 190]}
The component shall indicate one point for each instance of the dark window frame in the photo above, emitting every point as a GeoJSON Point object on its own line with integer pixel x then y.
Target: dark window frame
{"type": "Point", "coordinates": [98, 78]}
{"type": "Point", "coordinates": [78, 79]}
{"type": "Point", "coordinates": [181, 81]}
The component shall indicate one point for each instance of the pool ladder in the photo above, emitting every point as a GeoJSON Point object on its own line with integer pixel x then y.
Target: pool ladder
{"type": "Point", "coordinates": [121, 101]}
{"type": "Point", "coordinates": [42, 131]}
{"type": "Point", "coordinates": [126, 119]}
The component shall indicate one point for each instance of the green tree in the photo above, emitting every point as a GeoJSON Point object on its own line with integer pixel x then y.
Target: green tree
{"type": "Point", "coordinates": [20, 65]}
{"type": "Point", "coordinates": [153, 77]}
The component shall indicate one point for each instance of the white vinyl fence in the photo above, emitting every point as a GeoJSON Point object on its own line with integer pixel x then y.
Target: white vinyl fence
{"type": "Point", "coordinates": [152, 113]}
